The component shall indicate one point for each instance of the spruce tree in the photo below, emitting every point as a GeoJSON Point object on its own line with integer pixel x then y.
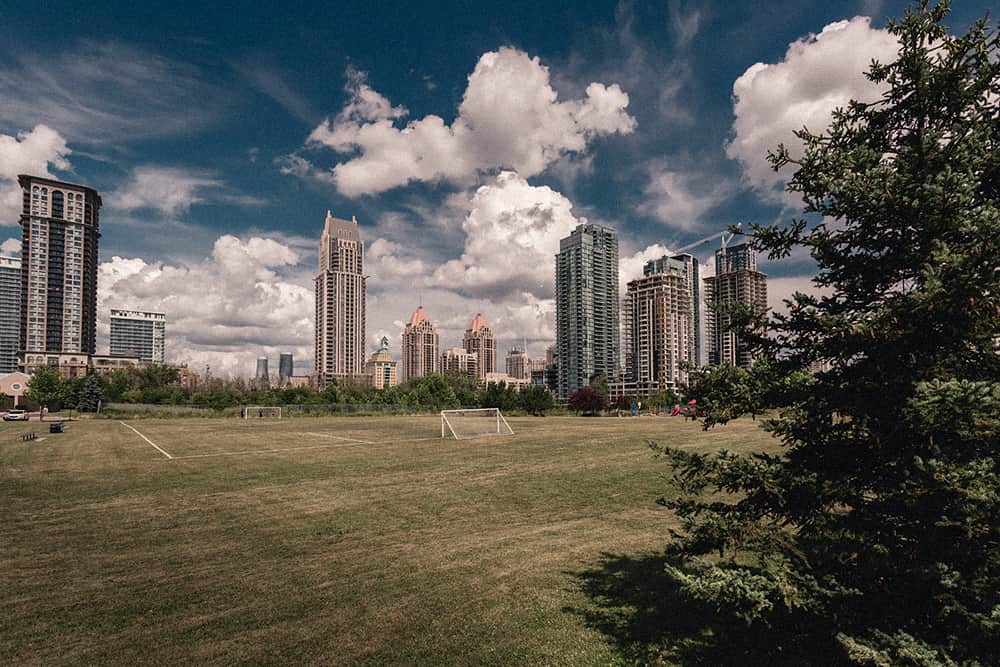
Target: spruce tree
{"type": "Point", "coordinates": [873, 537]}
{"type": "Point", "coordinates": [91, 394]}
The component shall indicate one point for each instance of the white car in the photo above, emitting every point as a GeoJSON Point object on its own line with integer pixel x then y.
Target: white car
{"type": "Point", "coordinates": [16, 415]}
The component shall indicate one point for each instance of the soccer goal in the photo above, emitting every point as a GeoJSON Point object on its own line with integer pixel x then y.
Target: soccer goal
{"type": "Point", "coordinates": [261, 412]}
{"type": "Point", "coordinates": [473, 423]}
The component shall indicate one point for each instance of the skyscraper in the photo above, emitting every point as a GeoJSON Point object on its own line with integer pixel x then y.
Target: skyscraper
{"type": "Point", "coordinates": [690, 266]}
{"type": "Point", "coordinates": [658, 316]}
{"type": "Point", "coordinates": [479, 340]}
{"type": "Point", "coordinates": [135, 333]}
{"type": "Point", "coordinates": [420, 346]}
{"type": "Point", "coordinates": [587, 307]}
{"type": "Point", "coordinates": [59, 237]}
{"type": "Point", "coordinates": [737, 282]}
{"type": "Point", "coordinates": [340, 301]}
{"type": "Point", "coordinates": [10, 312]}
{"type": "Point", "coordinates": [286, 368]}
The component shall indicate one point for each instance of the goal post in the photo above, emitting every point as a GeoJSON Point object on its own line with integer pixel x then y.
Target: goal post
{"type": "Point", "coordinates": [261, 412]}
{"type": "Point", "coordinates": [474, 423]}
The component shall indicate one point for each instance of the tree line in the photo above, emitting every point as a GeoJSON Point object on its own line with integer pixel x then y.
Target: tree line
{"type": "Point", "coordinates": [158, 385]}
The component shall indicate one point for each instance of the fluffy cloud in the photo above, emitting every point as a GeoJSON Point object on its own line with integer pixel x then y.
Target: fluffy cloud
{"type": "Point", "coordinates": [243, 301]}
{"type": "Point", "coordinates": [389, 264]}
{"type": "Point", "coordinates": [171, 190]}
{"type": "Point", "coordinates": [510, 117]}
{"type": "Point", "coordinates": [11, 246]}
{"type": "Point", "coordinates": [512, 234]}
{"type": "Point", "coordinates": [27, 153]}
{"type": "Point", "coordinates": [818, 74]}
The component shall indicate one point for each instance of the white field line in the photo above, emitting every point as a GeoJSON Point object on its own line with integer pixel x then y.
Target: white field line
{"type": "Point", "coordinates": [155, 446]}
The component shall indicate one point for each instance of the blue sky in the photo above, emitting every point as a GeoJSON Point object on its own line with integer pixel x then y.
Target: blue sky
{"type": "Point", "coordinates": [465, 137]}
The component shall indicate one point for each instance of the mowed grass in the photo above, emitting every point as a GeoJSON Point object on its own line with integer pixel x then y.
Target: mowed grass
{"type": "Point", "coordinates": [324, 540]}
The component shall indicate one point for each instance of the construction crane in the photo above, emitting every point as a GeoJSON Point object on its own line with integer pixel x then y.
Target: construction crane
{"type": "Point", "coordinates": [725, 235]}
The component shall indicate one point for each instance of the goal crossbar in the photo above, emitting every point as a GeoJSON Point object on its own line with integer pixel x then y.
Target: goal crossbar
{"type": "Point", "coordinates": [253, 411]}
{"type": "Point", "coordinates": [473, 423]}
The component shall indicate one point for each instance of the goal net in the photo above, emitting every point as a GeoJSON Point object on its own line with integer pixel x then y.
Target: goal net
{"type": "Point", "coordinates": [473, 423]}
{"type": "Point", "coordinates": [261, 412]}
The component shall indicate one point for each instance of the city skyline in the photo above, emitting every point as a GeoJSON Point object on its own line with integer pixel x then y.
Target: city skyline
{"type": "Point", "coordinates": [210, 209]}
{"type": "Point", "coordinates": [590, 252]}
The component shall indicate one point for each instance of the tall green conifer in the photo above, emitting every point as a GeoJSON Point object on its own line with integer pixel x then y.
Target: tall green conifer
{"type": "Point", "coordinates": [874, 537]}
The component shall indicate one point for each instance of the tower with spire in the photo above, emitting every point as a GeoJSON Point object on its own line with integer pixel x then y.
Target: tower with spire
{"type": "Point", "coordinates": [479, 340]}
{"type": "Point", "coordinates": [340, 302]}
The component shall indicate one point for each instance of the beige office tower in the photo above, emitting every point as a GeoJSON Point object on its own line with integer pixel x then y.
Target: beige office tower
{"type": "Point", "coordinates": [420, 346]}
{"type": "Point", "coordinates": [457, 361]}
{"type": "Point", "coordinates": [479, 340]}
{"type": "Point", "coordinates": [340, 302]}
{"type": "Point", "coordinates": [658, 312]}
{"type": "Point", "coordinates": [737, 282]}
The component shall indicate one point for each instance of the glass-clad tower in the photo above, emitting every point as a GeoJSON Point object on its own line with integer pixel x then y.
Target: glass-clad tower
{"type": "Point", "coordinates": [10, 312]}
{"type": "Point", "coordinates": [587, 308]}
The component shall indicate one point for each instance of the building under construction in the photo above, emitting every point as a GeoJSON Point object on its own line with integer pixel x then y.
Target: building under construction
{"type": "Point", "coordinates": [659, 327]}
{"type": "Point", "coordinates": [736, 283]}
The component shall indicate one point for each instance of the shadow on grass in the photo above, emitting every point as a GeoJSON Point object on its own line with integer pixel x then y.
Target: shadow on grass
{"type": "Point", "coordinates": [648, 619]}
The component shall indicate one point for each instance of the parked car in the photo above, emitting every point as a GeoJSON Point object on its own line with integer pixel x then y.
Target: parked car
{"type": "Point", "coordinates": [16, 415]}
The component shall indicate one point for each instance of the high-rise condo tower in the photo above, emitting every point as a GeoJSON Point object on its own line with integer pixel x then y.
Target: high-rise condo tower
{"type": "Point", "coordinates": [587, 307]}
{"type": "Point", "coordinates": [340, 302]}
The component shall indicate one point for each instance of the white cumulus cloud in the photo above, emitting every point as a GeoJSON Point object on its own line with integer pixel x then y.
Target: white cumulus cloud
{"type": "Point", "coordinates": [818, 74]}
{"type": "Point", "coordinates": [245, 300]}
{"type": "Point", "coordinates": [510, 117]}
{"type": "Point", "coordinates": [28, 153]}
{"type": "Point", "coordinates": [512, 234]}
{"type": "Point", "coordinates": [11, 246]}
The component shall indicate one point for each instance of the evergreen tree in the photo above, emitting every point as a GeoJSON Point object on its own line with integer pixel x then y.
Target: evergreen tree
{"type": "Point", "coordinates": [874, 537]}
{"type": "Point", "coordinates": [91, 394]}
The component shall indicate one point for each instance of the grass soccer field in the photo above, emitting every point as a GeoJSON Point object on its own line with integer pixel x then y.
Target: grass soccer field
{"type": "Point", "coordinates": [357, 540]}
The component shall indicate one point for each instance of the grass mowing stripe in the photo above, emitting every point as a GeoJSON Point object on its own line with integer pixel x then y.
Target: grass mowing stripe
{"type": "Point", "coordinates": [267, 451]}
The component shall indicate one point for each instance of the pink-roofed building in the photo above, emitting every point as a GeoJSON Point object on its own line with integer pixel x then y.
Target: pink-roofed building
{"type": "Point", "coordinates": [420, 346]}
{"type": "Point", "coordinates": [479, 340]}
